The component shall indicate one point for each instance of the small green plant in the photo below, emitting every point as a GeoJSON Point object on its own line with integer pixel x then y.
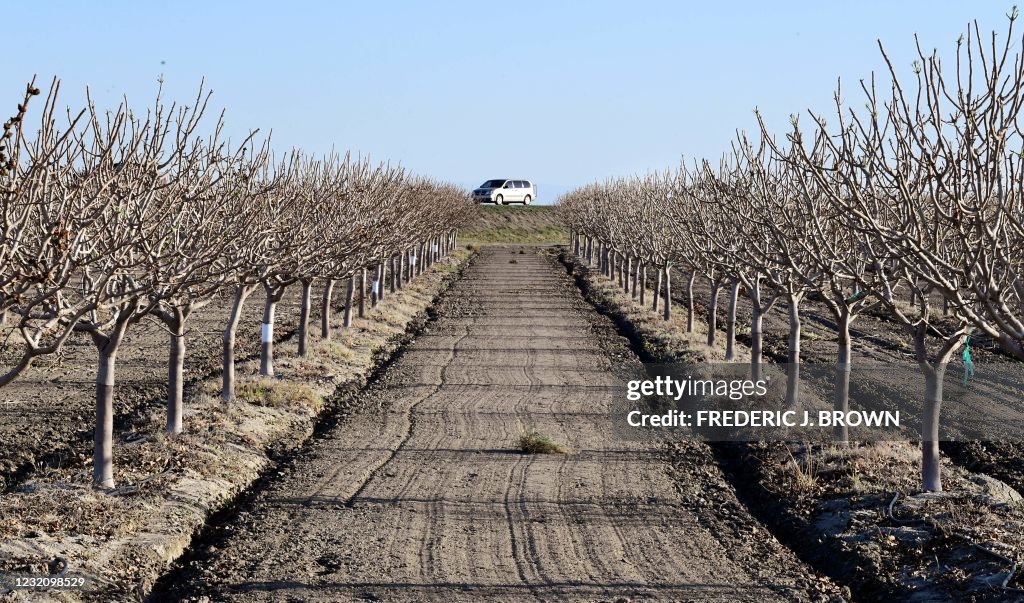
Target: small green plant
{"type": "Point", "coordinates": [535, 442]}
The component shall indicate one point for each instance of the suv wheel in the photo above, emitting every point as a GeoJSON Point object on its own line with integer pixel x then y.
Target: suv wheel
{"type": "Point", "coordinates": [526, 201]}
{"type": "Point", "coordinates": [499, 200]}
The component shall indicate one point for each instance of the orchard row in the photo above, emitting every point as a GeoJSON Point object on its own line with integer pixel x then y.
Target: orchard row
{"type": "Point", "coordinates": [907, 199]}
{"type": "Point", "coordinates": [110, 216]}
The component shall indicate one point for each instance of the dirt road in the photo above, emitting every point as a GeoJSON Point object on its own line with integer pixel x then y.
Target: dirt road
{"type": "Point", "coordinates": [424, 496]}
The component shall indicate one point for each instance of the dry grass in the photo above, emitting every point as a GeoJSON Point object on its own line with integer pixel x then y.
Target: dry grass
{"type": "Point", "coordinates": [804, 477]}
{"type": "Point", "coordinates": [276, 394]}
{"type": "Point", "coordinates": [334, 350]}
{"type": "Point", "coordinates": [535, 442]}
{"type": "Point", "coordinates": [62, 508]}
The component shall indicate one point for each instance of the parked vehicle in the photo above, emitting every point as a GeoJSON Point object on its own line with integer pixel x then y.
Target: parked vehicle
{"type": "Point", "coordinates": [504, 191]}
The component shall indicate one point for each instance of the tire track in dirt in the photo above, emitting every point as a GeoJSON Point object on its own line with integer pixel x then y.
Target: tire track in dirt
{"type": "Point", "coordinates": [422, 494]}
{"type": "Point", "coordinates": [411, 418]}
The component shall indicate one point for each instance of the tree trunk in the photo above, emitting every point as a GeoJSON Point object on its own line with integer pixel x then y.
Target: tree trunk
{"type": "Point", "coordinates": [793, 361]}
{"type": "Point", "coordinates": [227, 392]}
{"type": "Point", "coordinates": [375, 286]}
{"type": "Point", "coordinates": [730, 322]}
{"type": "Point", "coordinates": [393, 268]}
{"type": "Point", "coordinates": [657, 291]}
{"type": "Point", "coordinates": [716, 286]}
{"type": "Point", "coordinates": [325, 312]}
{"type": "Point", "coordinates": [103, 436]}
{"type": "Point", "coordinates": [643, 283]}
{"type": "Point", "coordinates": [931, 466]}
{"type": "Point", "coordinates": [175, 371]}
{"type": "Point", "coordinates": [667, 309]}
{"type": "Point", "coordinates": [689, 302]}
{"type": "Point", "coordinates": [267, 332]}
{"type": "Point", "coordinates": [362, 293]}
{"type": "Point", "coordinates": [349, 298]}
{"type": "Point", "coordinates": [304, 308]}
{"type": "Point", "coordinates": [629, 271]}
{"type": "Point", "coordinates": [841, 433]}
{"type": "Point", "coordinates": [402, 268]}
{"type": "Point", "coordinates": [635, 273]}
{"type": "Point", "coordinates": [756, 322]}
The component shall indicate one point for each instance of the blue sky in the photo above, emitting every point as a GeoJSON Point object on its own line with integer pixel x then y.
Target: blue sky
{"type": "Point", "coordinates": [562, 93]}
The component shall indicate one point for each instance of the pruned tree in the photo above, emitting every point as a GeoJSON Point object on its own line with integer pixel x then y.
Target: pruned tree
{"type": "Point", "coordinates": [213, 201]}
{"type": "Point", "coordinates": [54, 188]}
{"type": "Point", "coordinates": [928, 175]}
{"type": "Point", "coordinates": [129, 239]}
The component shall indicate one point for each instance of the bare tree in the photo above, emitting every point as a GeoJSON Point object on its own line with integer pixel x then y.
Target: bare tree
{"type": "Point", "coordinates": [130, 237]}
{"type": "Point", "coordinates": [928, 175]}
{"type": "Point", "coordinates": [213, 196]}
{"type": "Point", "coordinates": [54, 188]}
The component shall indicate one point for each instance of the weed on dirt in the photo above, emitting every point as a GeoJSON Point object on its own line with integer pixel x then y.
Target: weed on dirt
{"type": "Point", "coordinates": [535, 442]}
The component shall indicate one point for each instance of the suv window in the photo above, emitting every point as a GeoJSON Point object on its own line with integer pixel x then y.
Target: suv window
{"type": "Point", "coordinates": [520, 184]}
{"type": "Point", "coordinates": [526, 184]}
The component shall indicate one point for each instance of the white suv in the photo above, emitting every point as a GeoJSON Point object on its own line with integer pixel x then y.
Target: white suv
{"type": "Point", "coordinates": [506, 191]}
